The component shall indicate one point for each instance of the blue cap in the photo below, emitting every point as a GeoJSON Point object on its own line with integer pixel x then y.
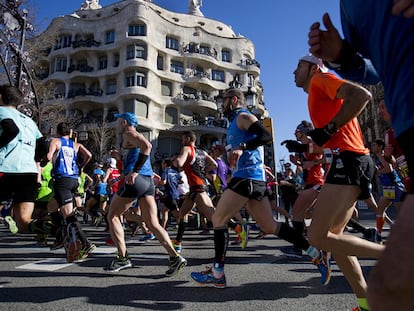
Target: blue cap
{"type": "Point", "coordinates": [129, 117]}
{"type": "Point", "coordinates": [98, 171]}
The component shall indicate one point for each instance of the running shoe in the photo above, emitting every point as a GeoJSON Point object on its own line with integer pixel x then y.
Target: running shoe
{"type": "Point", "coordinates": [371, 234]}
{"type": "Point", "coordinates": [147, 236]}
{"type": "Point", "coordinates": [236, 241]}
{"type": "Point", "coordinates": [11, 224]}
{"type": "Point", "coordinates": [244, 235]}
{"type": "Point", "coordinates": [57, 244]}
{"type": "Point", "coordinates": [261, 235]}
{"type": "Point", "coordinates": [292, 252]}
{"type": "Point", "coordinates": [177, 246]}
{"type": "Point", "coordinates": [206, 278]}
{"type": "Point", "coordinates": [119, 263]}
{"type": "Point", "coordinates": [86, 250]}
{"type": "Point", "coordinates": [176, 265]}
{"type": "Point", "coordinates": [324, 267]}
{"type": "Point", "coordinates": [72, 244]}
{"type": "Point", "coordinates": [97, 221]}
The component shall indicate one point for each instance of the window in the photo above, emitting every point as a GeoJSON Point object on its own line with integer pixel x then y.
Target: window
{"type": "Point", "coordinates": [160, 62]}
{"type": "Point", "coordinates": [250, 79]}
{"type": "Point", "coordinates": [63, 42]}
{"type": "Point", "coordinates": [137, 107]}
{"type": "Point", "coordinates": [199, 72]}
{"type": "Point", "coordinates": [135, 78]}
{"type": "Point", "coordinates": [177, 67]}
{"type": "Point", "coordinates": [130, 52]}
{"type": "Point", "coordinates": [110, 36]}
{"type": "Point", "coordinates": [140, 52]}
{"type": "Point", "coordinates": [171, 115]}
{"type": "Point", "coordinates": [141, 109]}
{"type": "Point", "coordinates": [137, 30]}
{"type": "Point", "coordinates": [60, 64]}
{"type": "Point", "coordinates": [102, 62]}
{"type": "Point", "coordinates": [141, 79]}
{"type": "Point", "coordinates": [166, 88]}
{"type": "Point", "coordinates": [130, 79]}
{"type": "Point", "coordinates": [136, 51]}
{"type": "Point", "coordinates": [217, 75]}
{"type": "Point", "coordinates": [225, 56]}
{"type": "Point", "coordinates": [171, 43]}
{"type": "Point", "coordinates": [60, 90]}
{"type": "Point", "coordinates": [116, 60]}
{"type": "Point", "coordinates": [110, 87]}
{"type": "Point", "coordinates": [204, 49]}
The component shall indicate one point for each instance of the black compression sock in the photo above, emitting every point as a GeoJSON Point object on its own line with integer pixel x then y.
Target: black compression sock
{"type": "Point", "coordinates": [221, 241]}
{"type": "Point", "coordinates": [289, 234]}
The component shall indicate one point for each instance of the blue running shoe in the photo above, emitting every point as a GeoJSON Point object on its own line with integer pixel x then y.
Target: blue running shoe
{"type": "Point", "coordinates": [244, 235]}
{"type": "Point", "coordinates": [206, 278]}
{"type": "Point", "coordinates": [147, 236]}
{"type": "Point", "coordinates": [324, 267]}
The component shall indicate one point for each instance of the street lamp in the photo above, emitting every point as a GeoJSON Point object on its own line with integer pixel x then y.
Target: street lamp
{"type": "Point", "coordinates": [251, 98]}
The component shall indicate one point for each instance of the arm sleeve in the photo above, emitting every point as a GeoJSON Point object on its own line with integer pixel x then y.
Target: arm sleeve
{"type": "Point", "coordinates": [42, 148]}
{"type": "Point", "coordinates": [140, 162]}
{"type": "Point", "coordinates": [10, 131]}
{"type": "Point", "coordinates": [262, 136]}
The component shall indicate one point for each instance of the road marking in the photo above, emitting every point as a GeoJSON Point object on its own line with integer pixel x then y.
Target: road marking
{"type": "Point", "coordinates": [49, 264]}
{"type": "Point", "coordinates": [54, 264]}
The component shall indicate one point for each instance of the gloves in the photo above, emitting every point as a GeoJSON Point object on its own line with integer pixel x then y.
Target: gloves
{"type": "Point", "coordinates": [294, 146]}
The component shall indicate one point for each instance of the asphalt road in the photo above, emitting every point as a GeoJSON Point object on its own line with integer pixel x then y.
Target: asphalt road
{"type": "Point", "coordinates": [260, 277]}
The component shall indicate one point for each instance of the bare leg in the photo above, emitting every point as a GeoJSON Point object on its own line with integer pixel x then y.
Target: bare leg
{"type": "Point", "coordinates": [118, 207]}
{"type": "Point", "coordinates": [391, 285]}
{"type": "Point", "coordinates": [149, 214]}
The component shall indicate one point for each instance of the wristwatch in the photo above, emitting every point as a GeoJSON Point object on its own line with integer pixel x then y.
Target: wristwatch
{"type": "Point", "coordinates": [242, 146]}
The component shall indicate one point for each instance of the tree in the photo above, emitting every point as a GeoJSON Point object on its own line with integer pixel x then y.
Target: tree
{"type": "Point", "coordinates": [102, 137]}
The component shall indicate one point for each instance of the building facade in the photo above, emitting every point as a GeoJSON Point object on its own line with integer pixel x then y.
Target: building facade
{"type": "Point", "coordinates": [167, 68]}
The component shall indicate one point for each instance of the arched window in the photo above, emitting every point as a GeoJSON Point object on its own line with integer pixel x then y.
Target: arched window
{"type": "Point", "coordinates": [171, 115]}
{"type": "Point", "coordinates": [137, 107]}
{"type": "Point", "coordinates": [166, 88]}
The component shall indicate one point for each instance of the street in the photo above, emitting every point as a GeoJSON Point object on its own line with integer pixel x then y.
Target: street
{"type": "Point", "coordinates": [260, 277]}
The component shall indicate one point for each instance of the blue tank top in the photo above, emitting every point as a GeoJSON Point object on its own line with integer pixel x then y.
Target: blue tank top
{"type": "Point", "coordinates": [130, 160]}
{"type": "Point", "coordinates": [65, 164]}
{"type": "Point", "coordinates": [171, 187]}
{"type": "Point", "coordinates": [251, 162]}
{"type": "Point", "coordinates": [100, 188]}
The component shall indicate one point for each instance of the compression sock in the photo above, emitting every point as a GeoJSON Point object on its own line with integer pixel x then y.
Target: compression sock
{"type": "Point", "coordinates": [289, 234]}
{"type": "Point", "coordinates": [180, 232]}
{"type": "Point", "coordinates": [356, 225]}
{"type": "Point", "coordinates": [298, 227]}
{"type": "Point", "coordinates": [221, 241]}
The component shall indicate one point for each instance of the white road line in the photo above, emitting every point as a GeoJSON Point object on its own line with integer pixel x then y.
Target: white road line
{"type": "Point", "coordinates": [48, 264]}
{"type": "Point", "coordinates": [54, 264]}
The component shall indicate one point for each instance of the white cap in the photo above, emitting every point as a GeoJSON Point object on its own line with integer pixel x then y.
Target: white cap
{"type": "Point", "coordinates": [314, 60]}
{"type": "Point", "coordinates": [112, 162]}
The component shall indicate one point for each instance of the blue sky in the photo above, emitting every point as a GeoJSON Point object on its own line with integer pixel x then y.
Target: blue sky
{"type": "Point", "coordinates": [278, 30]}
